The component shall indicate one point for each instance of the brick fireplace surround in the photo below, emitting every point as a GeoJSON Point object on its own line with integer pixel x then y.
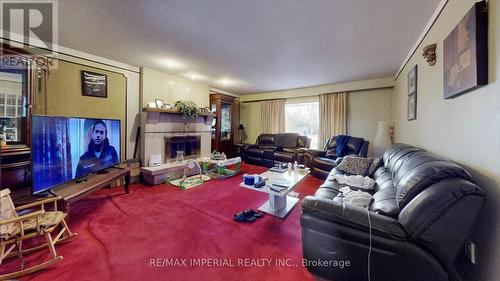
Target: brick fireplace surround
{"type": "Point", "coordinates": [158, 124]}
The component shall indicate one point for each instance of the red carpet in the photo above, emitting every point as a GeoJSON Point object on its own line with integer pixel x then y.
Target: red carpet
{"type": "Point", "coordinates": [119, 235]}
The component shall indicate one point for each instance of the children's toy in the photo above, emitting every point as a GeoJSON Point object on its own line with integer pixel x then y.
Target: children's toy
{"type": "Point", "coordinates": [221, 169]}
{"type": "Point", "coordinates": [187, 182]}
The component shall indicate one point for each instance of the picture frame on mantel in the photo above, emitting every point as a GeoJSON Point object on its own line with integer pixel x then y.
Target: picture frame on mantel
{"type": "Point", "coordinates": [465, 52]}
{"type": "Point", "coordinates": [94, 84]}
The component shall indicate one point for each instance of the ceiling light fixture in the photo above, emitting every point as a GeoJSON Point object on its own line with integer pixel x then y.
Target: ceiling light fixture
{"type": "Point", "coordinates": [195, 76]}
{"type": "Point", "coordinates": [172, 64]}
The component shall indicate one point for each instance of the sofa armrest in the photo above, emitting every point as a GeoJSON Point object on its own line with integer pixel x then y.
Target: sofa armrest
{"type": "Point", "coordinates": [249, 145]}
{"type": "Point", "coordinates": [356, 217]}
{"type": "Point", "coordinates": [363, 152]}
{"type": "Point", "coordinates": [316, 152]}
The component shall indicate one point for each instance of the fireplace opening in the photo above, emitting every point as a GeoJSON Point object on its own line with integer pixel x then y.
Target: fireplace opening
{"type": "Point", "coordinates": [190, 145]}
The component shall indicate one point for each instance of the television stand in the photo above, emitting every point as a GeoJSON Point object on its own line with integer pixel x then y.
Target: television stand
{"type": "Point", "coordinates": [46, 193]}
{"type": "Point", "coordinates": [102, 172]}
{"type": "Point", "coordinates": [71, 192]}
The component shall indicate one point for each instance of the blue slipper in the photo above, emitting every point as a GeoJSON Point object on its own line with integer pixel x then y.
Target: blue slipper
{"type": "Point", "coordinates": [242, 217]}
{"type": "Point", "coordinates": [253, 213]}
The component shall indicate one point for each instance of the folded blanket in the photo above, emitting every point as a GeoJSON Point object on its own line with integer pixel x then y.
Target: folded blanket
{"type": "Point", "coordinates": [355, 181]}
{"type": "Point", "coordinates": [356, 198]}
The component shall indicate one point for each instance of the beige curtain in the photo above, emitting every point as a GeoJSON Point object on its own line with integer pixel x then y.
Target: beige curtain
{"type": "Point", "coordinates": [273, 116]}
{"type": "Point", "coordinates": [332, 116]}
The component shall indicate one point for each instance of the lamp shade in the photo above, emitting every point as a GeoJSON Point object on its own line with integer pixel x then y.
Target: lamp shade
{"type": "Point", "coordinates": [382, 139]}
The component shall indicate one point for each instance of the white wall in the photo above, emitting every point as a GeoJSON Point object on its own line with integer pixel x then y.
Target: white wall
{"type": "Point", "coordinates": [171, 88]}
{"type": "Point", "coordinates": [465, 129]}
{"type": "Point", "coordinates": [364, 110]}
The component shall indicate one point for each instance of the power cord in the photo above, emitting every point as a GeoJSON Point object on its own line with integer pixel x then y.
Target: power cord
{"type": "Point", "coordinates": [369, 249]}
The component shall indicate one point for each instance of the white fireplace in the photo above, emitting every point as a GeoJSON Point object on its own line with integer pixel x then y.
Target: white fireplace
{"type": "Point", "coordinates": [160, 127]}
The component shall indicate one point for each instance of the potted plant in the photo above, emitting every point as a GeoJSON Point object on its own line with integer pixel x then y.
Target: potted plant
{"type": "Point", "coordinates": [188, 109]}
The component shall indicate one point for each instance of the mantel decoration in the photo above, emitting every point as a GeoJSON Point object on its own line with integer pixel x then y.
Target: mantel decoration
{"type": "Point", "coordinates": [94, 84]}
{"type": "Point", "coordinates": [466, 53]}
{"type": "Point", "coordinates": [429, 53]}
{"type": "Point", "coordinates": [188, 109]}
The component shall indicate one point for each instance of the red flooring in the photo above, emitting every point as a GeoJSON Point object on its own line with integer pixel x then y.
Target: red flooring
{"type": "Point", "coordinates": [119, 235]}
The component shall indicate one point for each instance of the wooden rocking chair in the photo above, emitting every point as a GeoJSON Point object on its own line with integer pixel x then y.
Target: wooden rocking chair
{"type": "Point", "coordinates": [15, 228]}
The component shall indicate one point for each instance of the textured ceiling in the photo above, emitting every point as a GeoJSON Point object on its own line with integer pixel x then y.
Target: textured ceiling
{"type": "Point", "coordinates": [248, 46]}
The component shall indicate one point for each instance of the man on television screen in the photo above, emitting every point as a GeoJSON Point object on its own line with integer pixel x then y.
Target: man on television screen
{"type": "Point", "coordinates": [100, 153]}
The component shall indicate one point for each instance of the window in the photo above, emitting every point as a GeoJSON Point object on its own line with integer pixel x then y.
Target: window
{"type": "Point", "coordinates": [303, 118]}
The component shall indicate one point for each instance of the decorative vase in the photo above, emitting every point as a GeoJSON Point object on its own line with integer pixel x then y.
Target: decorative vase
{"type": "Point", "coordinates": [179, 156]}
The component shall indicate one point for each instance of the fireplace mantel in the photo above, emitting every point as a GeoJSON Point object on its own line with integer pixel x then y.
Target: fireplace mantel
{"type": "Point", "coordinates": [208, 116]}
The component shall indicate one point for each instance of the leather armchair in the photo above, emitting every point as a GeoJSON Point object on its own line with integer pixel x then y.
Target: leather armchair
{"type": "Point", "coordinates": [424, 208]}
{"type": "Point", "coordinates": [323, 161]}
{"type": "Point", "coordinates": [261, 153]}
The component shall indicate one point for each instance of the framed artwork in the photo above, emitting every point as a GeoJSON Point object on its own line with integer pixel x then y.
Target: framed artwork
{"type": "Point", "coordinates": [412, 81]}
{"type": "Point", "coordinates": [159, 103]}
{"type": "Point", "coordinates": [466, 53]}
{"type": "Point", "coordinates": [11, 134]}
{"type": "Point", "coordinates": [412, 107]}
{"type": "Point", "coordinates": [94, 84]}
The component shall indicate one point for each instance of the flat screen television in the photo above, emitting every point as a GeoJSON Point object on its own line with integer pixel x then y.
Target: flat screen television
{"type": "Point", "coordinates": [64, 149]}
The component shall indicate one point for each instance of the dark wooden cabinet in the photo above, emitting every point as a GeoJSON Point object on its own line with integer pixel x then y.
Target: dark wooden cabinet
{"type": "Point", "coordinates": [16, 88]}
{"type": "Point", "coordinates": [223, 127]}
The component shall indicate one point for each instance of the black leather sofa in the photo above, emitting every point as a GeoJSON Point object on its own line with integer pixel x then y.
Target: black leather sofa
{"type": "Point", "coordinates": [269, 148]}
{"type": "Point", "coordinates": [424, 208]}
{"type": "Point", "coordinates": [323, 161]}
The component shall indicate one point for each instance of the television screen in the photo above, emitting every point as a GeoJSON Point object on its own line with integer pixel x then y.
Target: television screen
{"type": "Point", "coordinates": [64, 149]}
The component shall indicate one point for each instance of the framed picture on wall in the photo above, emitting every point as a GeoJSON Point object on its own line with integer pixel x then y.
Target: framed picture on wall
{"type": "Point", "coordinates": [412, 81]}
{"type": "Point", "coordinates": [412, 107]}
{"type": "Point", "coordinates": [94, 84]}
{"type": "Point", "coordinates": [465, 53]}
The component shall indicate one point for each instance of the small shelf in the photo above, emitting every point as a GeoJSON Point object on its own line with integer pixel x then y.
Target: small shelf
{"type": "Point", "coordinates": [173, 111]}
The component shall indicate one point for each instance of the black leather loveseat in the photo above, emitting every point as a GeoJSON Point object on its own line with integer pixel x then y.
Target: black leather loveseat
{"type": "Point", "coordinates": [323, 161]}
{"type": "Point", "coordinates": [269, 148]}
{"type": "Point", "coordinates": [423, 210]}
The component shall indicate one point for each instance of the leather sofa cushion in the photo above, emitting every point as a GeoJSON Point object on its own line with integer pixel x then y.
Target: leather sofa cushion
{"type": "Point", "coordinates": [392, 155]}
{"type": "Point", "coordinates": [384, 202]}
{"type": "Point", "coordinates": [268, 153]}
{"type": "Point", "coordinates": [255, 152]}
{"type": "Point", "coordinates": [303, 141]}
{"type": "Point", "coordinates": [284, 156]}
{"type": "Point", "coordinates": [322, 163]}
{"type": "Point", "coordinates": [286, 140]}
{"type": "Point", "coordinates": [266, 140]}
{"type": "Point", "coordinates": [424, 171]}
{"type": "Point", "coordinates": [413, 169]}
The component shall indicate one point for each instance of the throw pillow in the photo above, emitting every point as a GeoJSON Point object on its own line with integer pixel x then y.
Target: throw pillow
{"type": "Point", "coordinates": [376, 163]}
{"type": "Point", "coordinates": [355, 165]}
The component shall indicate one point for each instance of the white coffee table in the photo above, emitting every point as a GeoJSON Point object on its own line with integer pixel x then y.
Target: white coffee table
{"type": "Point", "coordinates": [279, 203]}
